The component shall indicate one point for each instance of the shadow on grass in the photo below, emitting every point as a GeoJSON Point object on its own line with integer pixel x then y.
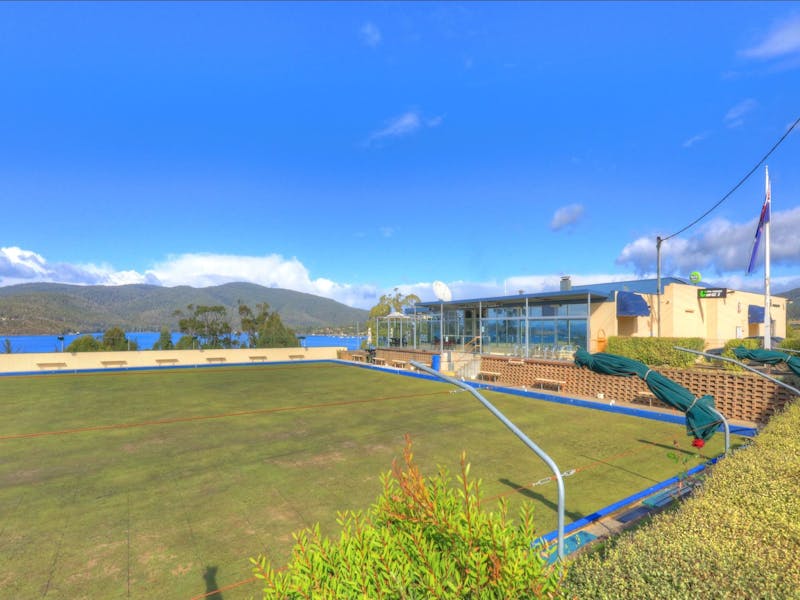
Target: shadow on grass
{"type": "Point", "coordinates": [671, 447]}
{"type": "Point", "coordinates": [529, 493]}
{"type": "Point", "coordinates": [600, 461]}
{"type": "Point", "coordinates": [212, 588]}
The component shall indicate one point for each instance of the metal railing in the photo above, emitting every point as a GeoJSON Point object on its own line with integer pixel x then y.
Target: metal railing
{"type": "Point", "coordinates": [516, 431]}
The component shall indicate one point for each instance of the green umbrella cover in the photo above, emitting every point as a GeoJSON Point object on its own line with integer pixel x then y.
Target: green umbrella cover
{"type": "Point", "coordinates": [701, 416]}
{"type": "Point", "coordinates": [770, 357]}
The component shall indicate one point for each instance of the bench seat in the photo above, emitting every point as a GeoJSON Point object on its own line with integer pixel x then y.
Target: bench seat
{"type": "Point", "coordinates": [488, 375]}
{"type": "Point", "coordinates": [543, 382]}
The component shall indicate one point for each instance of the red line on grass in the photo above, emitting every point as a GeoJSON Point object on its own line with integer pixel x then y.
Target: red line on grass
{"type": "Point", "coordinates": [14, 436]}
{"type": "Point", "coordinates": [224, 588]}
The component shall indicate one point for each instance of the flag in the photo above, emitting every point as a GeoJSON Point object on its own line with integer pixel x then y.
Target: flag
{"type": "Point", "coordinates": [762, 222]}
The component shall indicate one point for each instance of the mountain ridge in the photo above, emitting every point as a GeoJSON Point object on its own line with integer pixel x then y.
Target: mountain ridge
{"type": "Point", "coordinates": [52, 308]}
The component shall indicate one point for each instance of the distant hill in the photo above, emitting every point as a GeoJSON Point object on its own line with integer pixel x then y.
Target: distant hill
{"type": "Point", "coordinates": [793, 309]}
{"type": "Point", "coordinates": [33, 308]}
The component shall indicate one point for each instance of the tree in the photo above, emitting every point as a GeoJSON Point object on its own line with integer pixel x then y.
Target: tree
{"type": "Point", "coordinates": [164, 341]}
{"type": "Point", "coordinates": [208, 323]}
{"type": "Point", "coordinates": [115, 339]}
{"type": "Point", "coordinates": [85, 343]}
{"type": "Point", "coordinates": [423, 538]}
{"type": "Point", "coordinates": [7, 346]}
{"type": "Point", "coordinates": [265, 329]}
{"type": "Point", "coordinates": [389, 303]}
{"type": "Point", "coordinates": [186, 342]}
{"type": "Point", "coordinates": [275, 334]}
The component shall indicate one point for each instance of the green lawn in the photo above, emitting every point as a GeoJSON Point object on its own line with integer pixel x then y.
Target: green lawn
{"type": "Point", "coordinates": [145, 510]}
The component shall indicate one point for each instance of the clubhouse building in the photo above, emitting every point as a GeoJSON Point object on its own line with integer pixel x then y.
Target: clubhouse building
{"type": "Point", "coordinates": [553, 324]}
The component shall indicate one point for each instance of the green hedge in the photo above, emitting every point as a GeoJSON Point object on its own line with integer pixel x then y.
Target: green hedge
{"type": "Point", "coordinates": [738, 537]}
{"type": "Point", "coordinates": [656, 352]}
{"type": "Point", "coordinates": [793, 343]}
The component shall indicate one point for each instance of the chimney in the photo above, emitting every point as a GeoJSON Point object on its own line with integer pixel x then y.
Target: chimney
{"type": "Point", "coordinates": [566, 283]}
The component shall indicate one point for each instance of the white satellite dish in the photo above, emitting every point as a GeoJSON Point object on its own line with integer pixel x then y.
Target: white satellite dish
{"type": "Point", "coordinates": [442, 292]}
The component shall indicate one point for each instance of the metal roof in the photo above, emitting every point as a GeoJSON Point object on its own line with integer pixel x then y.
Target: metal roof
{"type": "Point", "coordinates": [595, 292]}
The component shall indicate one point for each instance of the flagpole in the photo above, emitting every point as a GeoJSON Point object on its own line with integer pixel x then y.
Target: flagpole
{"type": "Point", "coordinates": [767, 300]}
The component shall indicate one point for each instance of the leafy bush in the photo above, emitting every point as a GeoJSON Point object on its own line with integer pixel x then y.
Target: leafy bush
{"type": "Point", "coordinates": [792, 343]}
{"type": "Point", "coordinates": [738, 537]}
{"type": "Point", "coordinates": [113, 339]}
{"type": "Point", "coordinates": [85, 343]}
{"type": "Point", "coordinates": [657, 352]}
{"type": "Point", "coordinates": [422, 539]}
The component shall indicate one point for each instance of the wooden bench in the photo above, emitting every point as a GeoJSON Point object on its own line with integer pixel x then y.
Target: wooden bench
{"type": "Point", "coordinates": [516, 362]}
{"type": "Point", "coordinates": [216, 359]}
{"type": "Point", "coordinates": [488, 375]}
{"type": "Point", "coordinates": [113, 363]}
{"type": "Point", "coordinates": [379, 360]}
{"type": "Point", "coordinates": [358, 358]}
{"type": "Point", "coordinates": [644, 399]}
{"type": "Point", "coordinates": [297, 356]}
{"type": "Point", "coordinates": [52, 365]}
{"type": "Point", "coordinates": [166, 361]}
{"type": "Point", "coordinates": [259, 358]}
{"type": "Point", "coordinates": [399, 364]}
{"type": "Point", "coordinates": [543, 382]}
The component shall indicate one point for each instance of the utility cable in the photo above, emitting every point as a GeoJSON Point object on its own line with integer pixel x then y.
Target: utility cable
{"type": "Point", "coordinates": [738, 185]}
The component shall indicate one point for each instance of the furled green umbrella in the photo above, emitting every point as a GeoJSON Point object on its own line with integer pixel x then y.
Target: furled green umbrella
{"type": "Point", "coordinates": [770, 357]}
{"type": "Point", "coordinates": [702, 418]}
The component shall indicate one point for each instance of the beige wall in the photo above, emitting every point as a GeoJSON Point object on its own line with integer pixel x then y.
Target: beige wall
{"type": "Point", "coordinates": [603, 325]}
{"type": "Point", "coordinates": [683, 314]}
{"type": "Point", "coordinates": [73, 361]}
{"type": "Point", "coordinates": [687, 311]}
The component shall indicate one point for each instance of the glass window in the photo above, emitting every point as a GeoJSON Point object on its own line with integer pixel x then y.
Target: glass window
{"type": "Point", "coordinates": [577, 333]}
{"type": "Point", "coordinates": [504, 312]}
{"type": "Point", "coordinates": [549, 310]}
{"type": "Point", "coordinates": [578, 310]}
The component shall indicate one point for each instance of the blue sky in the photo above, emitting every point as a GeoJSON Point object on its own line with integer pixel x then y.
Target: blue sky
{"type": "Point", "coordinates": [345, 149]}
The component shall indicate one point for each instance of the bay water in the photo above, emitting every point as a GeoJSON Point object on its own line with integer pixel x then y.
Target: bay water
{"type": "Point", "coordinates": [146, 339]}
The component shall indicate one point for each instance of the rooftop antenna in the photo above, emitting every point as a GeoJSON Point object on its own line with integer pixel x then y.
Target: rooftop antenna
{"type": "Point", "coordinates": [444, 294]}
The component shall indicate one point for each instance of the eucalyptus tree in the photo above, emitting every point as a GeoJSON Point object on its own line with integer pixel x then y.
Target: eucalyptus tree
{"type": "Point", "coordinates": [209, 324]}
{"type": "Point", "coordinates": [265, 329]}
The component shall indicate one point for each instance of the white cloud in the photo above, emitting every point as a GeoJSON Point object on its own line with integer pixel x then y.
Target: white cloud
{"type": "Point", "coordinates": [200, 270]}
{"type": "Point", "coordinates": [195, 270]}
{"type": "Point", "coordinates": [370, 34]}
{"type": "Point", "coordinates": [24, 266]}
{"type": "Point", "coordinates": [434, 121]}
{"type": "Point", "coordinates": [721, 247]}
{"type": "Point", "coordinates": [387, 232]}
{"type": "Point", "coordinates": [566, 215]}
{"type": "Point", "coordinates": [734, 117]}
{"type": "Point", "coordinates": [401, 126]}
{"type": "Point", "coordinates": [694, 139]}
{"type": "Point", "coordinates": [782, 40]}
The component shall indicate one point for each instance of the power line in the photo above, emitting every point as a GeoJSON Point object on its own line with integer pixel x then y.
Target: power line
{"type": "Point", "coordinates": [738, 185]}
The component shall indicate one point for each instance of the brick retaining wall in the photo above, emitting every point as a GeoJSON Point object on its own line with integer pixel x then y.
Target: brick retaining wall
{"type": "Point", "coordinates": [390, 354]}
{"type": "Point", "coordinates": [738, 396]}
